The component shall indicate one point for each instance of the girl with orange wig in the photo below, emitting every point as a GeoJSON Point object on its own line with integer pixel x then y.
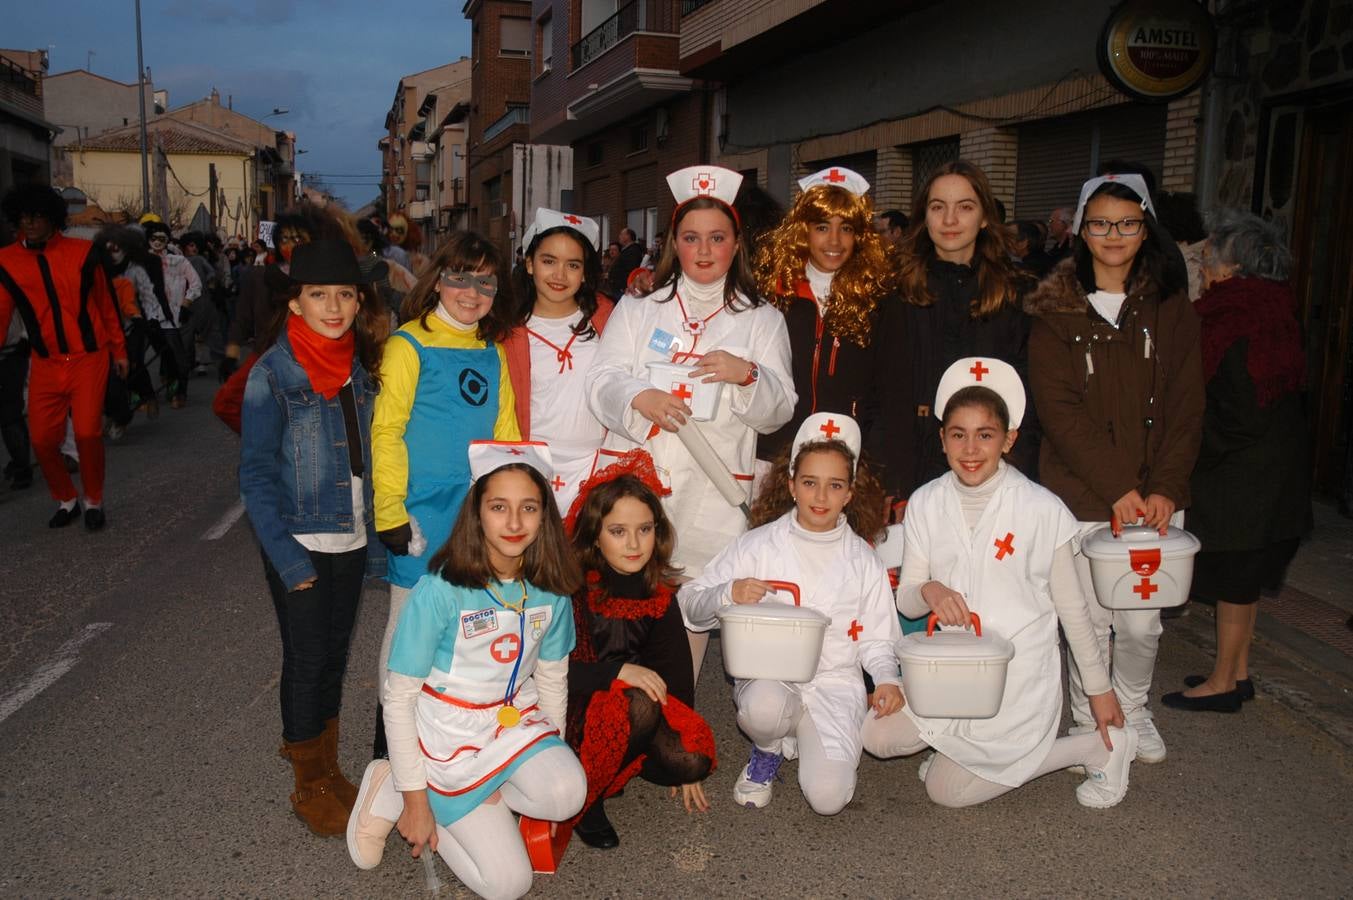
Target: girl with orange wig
{"type": "Point", "coordinates": [830, 274]}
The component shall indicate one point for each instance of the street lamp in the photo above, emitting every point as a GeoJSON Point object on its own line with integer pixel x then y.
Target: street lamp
{"type": "Point", "coordinates": [276, 111]}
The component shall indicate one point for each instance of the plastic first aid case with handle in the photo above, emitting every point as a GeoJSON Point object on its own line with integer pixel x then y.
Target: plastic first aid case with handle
{"type": "Point", "coordinates": [773, 640]}
{"type": "Point", "coordinates": [1141, 569]}
{"type": "Point", "coordinates": [677, 380]}
{"type": "Point", "coordinates": [954, 674]}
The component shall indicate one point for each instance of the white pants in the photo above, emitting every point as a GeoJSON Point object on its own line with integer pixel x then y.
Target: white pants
{"type": "Point", "coordinates": [1128, 640]}
{"type": "Point", "coordinates": [484, 848]}
{"type": "Point", "coordinates": [949, 784]}
{"type": "Point", "coordinates": [398, 597]}
{"type": "Point", "coordinates": [768, 712]}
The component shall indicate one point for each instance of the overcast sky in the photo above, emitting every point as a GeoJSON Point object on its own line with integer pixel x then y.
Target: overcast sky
{"type": "Point", "coordinates": [333, 63]}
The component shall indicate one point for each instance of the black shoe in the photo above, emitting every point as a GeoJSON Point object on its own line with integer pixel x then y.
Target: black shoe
{"type": "Point", "coordinates": [379, 749]}
{"type": "Point", "coordinates": [21, 480]}
{"type": "Point", "coordinates": [63, 517]}
{"type": "Point", "coordinates": [594, 829]}
{"type": "Point", "coordinates": [1244, 686]}
{"type": "Point", "coordinates": [94, 518]}
{"type": "Point", "coordinates": [1228, 702]}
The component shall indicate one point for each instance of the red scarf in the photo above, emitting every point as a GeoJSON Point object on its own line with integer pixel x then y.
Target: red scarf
{"type": "Point", "coordinates": [327, 361]}
{"type": "Point", "coordinates": [1262, 312]}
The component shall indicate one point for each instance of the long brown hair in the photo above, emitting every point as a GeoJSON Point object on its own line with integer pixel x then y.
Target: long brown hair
{"type": "Point", "coordinates": [659, 570]}
{"type": "Point", "coordinates": [740, 279]}
{"type": "Point", "coordinates": [864, 513]}
{"type": "Point", "coordinates": [998, 281]}
{"type": "Point", "coordinates": [464, 251]}
{"type": "Point", "coordinates": [867, 277]}
{"type": "Point", "coordinates": [548, 562]}
{"type": "Point", "coordinates": [369, 329]}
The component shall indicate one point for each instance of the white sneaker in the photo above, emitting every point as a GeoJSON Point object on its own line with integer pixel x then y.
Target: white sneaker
{"type": "Point", "coordinates": [754, 786]}
{"type": "Point", "coordinates": [1106, 787]}
{"type": "Point", "coordinates": [925, 766]}
{"type": "Point", "coordinates": [366, 831]}
{"type": "Point", "coordinates": [1150, 745]}
{"type": "Point", "coordinates": [789, 747]}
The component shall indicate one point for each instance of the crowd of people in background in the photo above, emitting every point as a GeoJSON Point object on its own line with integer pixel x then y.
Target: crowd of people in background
{"type": "Point", "coordinates": [490, 435]}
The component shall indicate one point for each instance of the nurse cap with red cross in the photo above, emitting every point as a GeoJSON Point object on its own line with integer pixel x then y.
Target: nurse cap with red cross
{"type": "Point", "coordinates": [553, 218]}
{"type": "Point", "coordinates": [996, 375]}
{"type": "Point", "coordinates": [837, 176]}
{"type": "Point", "coordinates": [487, 457]}
{"type": "Point", "coordinates": [825, 426]}
{"type": "Point", "coordinates": [714, 182]}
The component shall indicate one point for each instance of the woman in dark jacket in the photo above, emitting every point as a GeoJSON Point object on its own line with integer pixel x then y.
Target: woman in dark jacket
{"type": "Point", "coordinates": [962, 297]}
{"type": "Point", "coordinates": [1254, 435]}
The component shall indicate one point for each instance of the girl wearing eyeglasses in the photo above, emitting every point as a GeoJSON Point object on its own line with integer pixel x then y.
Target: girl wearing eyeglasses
{"type": "Point", "coordinates": [1116, 372]}
{"type": "Point", "coordinates": [444, 384]}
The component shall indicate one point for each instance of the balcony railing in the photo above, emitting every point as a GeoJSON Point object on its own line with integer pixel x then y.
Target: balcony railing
{"type": "Point", "coordinates": [690, 6]}
{"type": "Point", "coordinates": [516, 114]}
{"type": "Point", "coordinates": [637, 15]}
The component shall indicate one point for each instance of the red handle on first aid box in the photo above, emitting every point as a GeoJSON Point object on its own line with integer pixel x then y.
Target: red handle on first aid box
{"type": "Point", "coordinates": [932, 621]}
{"type": "Point", "coordinates": [789, 586]}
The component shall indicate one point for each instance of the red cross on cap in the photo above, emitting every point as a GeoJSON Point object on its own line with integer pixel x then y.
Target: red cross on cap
{"type": "Point", "coordinates": [558, 483]}
{"type": "Point", "coordinates": [978, 370]}
{"type": "Point", "coordinates": [516, 451]}
{"type": "Point", "coordinates": [854, 630]}
{"type": "Point", "coordinates": [572, 219]}
{"type": "Point", "coordinates": [1006, 546]}
{"type": "Point", "coordinates": [681, 390]}
{"type": "Point", "coordinates": [505, 649]}
{"type": "Point", "coordinates": [1145, 589]}
{"type": "Point", "coordinates": [703, 183]}
{"type": "Point", "coordinates": [834, 177]}
{"type": "Point", "coordinates": [829, 429]}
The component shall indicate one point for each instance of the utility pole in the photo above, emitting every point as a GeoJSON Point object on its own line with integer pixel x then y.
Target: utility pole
{"type": "Point", "coordinates": [211, 186]}
{"type": "Point", "coordinates": [141, 98]}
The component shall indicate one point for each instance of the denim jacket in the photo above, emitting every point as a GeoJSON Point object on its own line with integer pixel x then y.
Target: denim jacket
{"type": "Point", "coordinates": [295, 477]}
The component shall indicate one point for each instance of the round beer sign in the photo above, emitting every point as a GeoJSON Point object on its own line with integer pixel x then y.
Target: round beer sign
{"type": "Point", "coordinates": [1157, 49]}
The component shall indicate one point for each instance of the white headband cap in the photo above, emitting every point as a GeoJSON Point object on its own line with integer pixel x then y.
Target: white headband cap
{"type": "Point", "coordinates": [704, 181]}
{"type": "Point", "coordinates": [487, 457]}
{"type": "Point", "coordinates": [983, 371]}
{"type": "Point", "coordinates": [1134, 183]}
{"type": "Point", "coordinates": [837, 176]}
{"type": "Point", "coordinates": [825, 426]}
{"type": "Point", "coordinates": [553, 218]}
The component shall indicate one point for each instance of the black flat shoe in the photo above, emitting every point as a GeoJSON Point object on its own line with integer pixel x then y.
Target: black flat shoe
{"type": "Point", "coordinates": [94, 518]}
{"type": "Point", "coordinates": [63, 517]}
{"type": "Point", "coordinates": [1228, 702]}
{"type": "Point", "coordinates": [594, 829]}
{"type": "Point", "coordinates": [1244, 686]}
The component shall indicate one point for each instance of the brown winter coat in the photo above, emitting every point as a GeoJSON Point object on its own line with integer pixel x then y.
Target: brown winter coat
{"type": "Point", "coordinates": [1115, 414]}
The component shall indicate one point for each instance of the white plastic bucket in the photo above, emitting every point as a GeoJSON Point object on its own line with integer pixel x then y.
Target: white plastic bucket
{"type": "Point", "coordinates": [954, 674]}
{"type": "Point", "coordinates": [771, 640]}
{"type": "Point", "coordinates": [1141, 569]}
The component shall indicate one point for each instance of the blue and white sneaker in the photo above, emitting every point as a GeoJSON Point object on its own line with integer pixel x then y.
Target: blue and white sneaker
{"type": "Point", "coordinates": [753, 787]}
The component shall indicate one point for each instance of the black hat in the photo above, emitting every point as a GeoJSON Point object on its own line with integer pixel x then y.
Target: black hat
{"type": "Point", "coordinates": [327, 262]}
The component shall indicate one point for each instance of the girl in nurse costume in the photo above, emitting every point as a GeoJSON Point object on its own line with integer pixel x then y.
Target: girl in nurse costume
{"type": "Point", "coordinates": [559, 318]}
{"type": "Point", "coordinates": [984, 539]}
{"type": "Point", "coordinates": [444, 384]}
{"type": "Point", "coordinates": [476, 692]}
{"type": "Point", "coordinates": [820, 506]}
{"type": "Point", "coordinates": [703, 311]}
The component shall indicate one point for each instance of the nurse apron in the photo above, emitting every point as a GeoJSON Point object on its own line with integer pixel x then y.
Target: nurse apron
{"type": "Point", "coordinates": [455, 402]}
{"type": "Point", "coordinates": [477, 715]}
{"type": "Point", "coordinates": [559, 413]}
{"type": "Point", "coordinates": [1002, 570]}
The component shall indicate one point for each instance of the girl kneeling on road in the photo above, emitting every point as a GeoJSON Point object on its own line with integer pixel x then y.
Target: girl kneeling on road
{"type": "Point", "coordinates": [476, 692]}
{"type": "Point", "coordinates": [816, 513]}
{"type": "Point", "coordinates": [304, 457]}
{"type": "Point", "coordinates": [984, 539]}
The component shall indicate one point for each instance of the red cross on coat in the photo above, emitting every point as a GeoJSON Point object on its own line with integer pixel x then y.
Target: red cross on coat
{"type": "Point", "coordinates": [1006, 546]}
{"type": "Point", "coordinates": [854, 630]}
{"type": "Point", "coordinates": [506, 648]}
{"type": "Point", "coordinates": [978, 370]}
{"type": "Point", "coordinates": [829, 429]}
{"type": "Point", "coordinates": [558, 483]}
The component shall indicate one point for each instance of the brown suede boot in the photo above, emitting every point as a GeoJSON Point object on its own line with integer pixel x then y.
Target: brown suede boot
{"type": "Point", "coordinates": [345, 790]}
{"type": "Point", "coordinates": [314, 800]}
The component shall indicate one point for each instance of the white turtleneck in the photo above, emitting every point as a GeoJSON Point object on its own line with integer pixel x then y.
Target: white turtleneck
{"type": "Point", "coordinates": [820, 282]}
{"type": "Point", "coordinates": [703, 297]}
{"type": "Point", "coordinates": [818, 549]}
{"type": "Point", "coordinates": [452, 320]}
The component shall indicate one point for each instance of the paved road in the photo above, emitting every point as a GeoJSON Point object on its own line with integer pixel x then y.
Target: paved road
{"type": "Point", "coordinates": [139, 730]}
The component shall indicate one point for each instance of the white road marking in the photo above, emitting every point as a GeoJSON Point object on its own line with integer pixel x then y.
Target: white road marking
{"type": "Point", "coordinates": [65, 658]}
{"type": "Point", "coordinates": [232, 515]}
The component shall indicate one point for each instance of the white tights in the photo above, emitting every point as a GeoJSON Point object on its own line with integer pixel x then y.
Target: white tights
{"type": "Point", "coordinates": [484, 848]}
{"type": "Point", "coordinates": [768, 712]}
{"type": "Point", "coordinates": [949, 784]}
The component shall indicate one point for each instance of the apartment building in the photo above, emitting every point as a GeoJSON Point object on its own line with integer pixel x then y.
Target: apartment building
{"type": "Point", "coordinates": [26, 134]}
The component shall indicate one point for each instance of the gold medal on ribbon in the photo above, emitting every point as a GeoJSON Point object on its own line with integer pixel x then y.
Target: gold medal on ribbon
{"type": "Point", "coordinates": [509, 716]}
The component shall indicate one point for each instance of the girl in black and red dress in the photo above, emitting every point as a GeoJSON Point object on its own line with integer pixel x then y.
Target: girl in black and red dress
{"type": "Point", "coordinates": [631, 688]}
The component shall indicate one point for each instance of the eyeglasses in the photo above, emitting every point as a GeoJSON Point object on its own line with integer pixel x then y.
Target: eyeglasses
{"type": "Point", "coordinates": [460, 281]}
{"type": "Point", "coordinates": [1102, 227]}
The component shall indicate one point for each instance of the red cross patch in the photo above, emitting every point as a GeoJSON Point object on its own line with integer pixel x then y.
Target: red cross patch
{"type": "Point", "coordinates": [572, 219]}
{"type": "Point", "coordinates": [558, 483]}
{"type": "Point", "coordinates": [506, 648]}
{"type": "Point", "coordinates": [834, 177]}
{"type": "Point", "coordinates": [703, 184]}
{"type": "Point", "coordinates": [1145, 589]}
{"type": "Point", "coordinates": [854, 630]}
{"type": "Point", "coordinates": [681, 390]}
{"type": "Point", "coordinates": [978, 370]}
{"type": "Point", "coordinates": [1006, 546]}
{"type": "Point", "coordinates": [829, 429]}
{"type": "Point", "coordinates": [516, 451]}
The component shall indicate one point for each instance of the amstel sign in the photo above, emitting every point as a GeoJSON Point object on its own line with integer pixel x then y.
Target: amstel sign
{"type": "Point", "coordinates": [1157, 49]}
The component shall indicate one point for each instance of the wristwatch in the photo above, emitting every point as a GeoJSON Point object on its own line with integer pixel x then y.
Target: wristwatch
{"type": "Point", "coordinates": [752, 375]}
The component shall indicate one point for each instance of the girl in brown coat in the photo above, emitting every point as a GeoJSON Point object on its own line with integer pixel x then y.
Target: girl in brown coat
{"type": "Point", "coordinates": [1116, 373]}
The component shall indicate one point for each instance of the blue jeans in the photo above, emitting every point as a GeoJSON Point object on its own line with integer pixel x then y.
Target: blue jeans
{"type": "Point", "coordinates": [316, 626]}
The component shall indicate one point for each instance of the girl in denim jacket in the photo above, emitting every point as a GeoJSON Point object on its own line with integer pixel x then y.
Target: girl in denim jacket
{"type": "Point", "coordinates": [304, 458]}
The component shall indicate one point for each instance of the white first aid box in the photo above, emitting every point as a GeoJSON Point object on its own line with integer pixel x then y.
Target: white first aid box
{"type": "Point", "coordinates": [677, 380]}
{"type": "Point", "coordinates": [1142, 569]}
{"type": "Point", "coordinates": [775, 641]}
{"type": "Point", "coordinates": [954, 674]}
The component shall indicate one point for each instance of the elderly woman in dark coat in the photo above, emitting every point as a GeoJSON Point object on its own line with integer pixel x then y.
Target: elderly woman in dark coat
{"type": "Point", "coordinates": [1251, 494]}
